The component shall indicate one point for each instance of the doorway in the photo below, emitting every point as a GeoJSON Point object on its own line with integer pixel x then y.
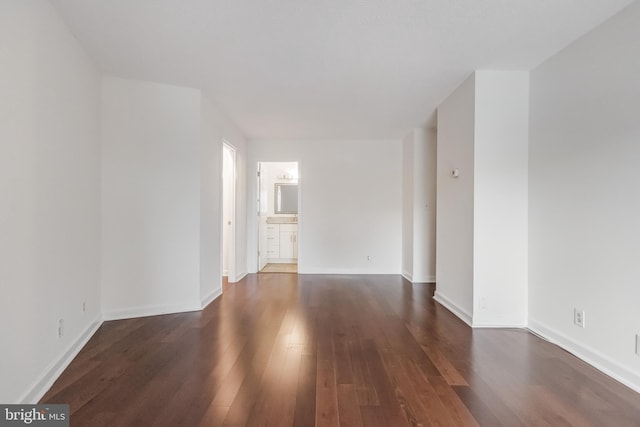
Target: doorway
{"type": "Point", "coordinates": [278, 217]}
{"type": "Point", "coordinates": [228, 211]}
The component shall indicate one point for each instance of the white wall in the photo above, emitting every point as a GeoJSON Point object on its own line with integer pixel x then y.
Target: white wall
{"type": "Point", "coordinates": [584, 205]}
{"type": "Point", "coordinates": [500, 198]}
{"type": "Point", "coordinates": [419, 205]}
{"type": "Point", "coordinates": [49, 209]}
{"type": "Point", "coordinates": [150, 198]}
{"type": "Point", "coordinates": [454, 235]}
{"type": "Point", "coordinates": [351, 198]}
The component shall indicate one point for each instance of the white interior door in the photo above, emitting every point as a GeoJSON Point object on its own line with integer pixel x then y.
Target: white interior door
{"type": "Point", "coordinates": [262, 218]}
{"type": "Point", "coordinates": [228, 210]}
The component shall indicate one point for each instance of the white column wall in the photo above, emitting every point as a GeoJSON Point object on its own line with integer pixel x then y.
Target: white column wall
{"type": "Point", "coordinates": [481, 260]}
{"type": "Point", "coordinates": [500, 285]}
{"type": "Point", "coordinates": [454, 229]}
{"type": "Point", "coordinates": [150, 198]}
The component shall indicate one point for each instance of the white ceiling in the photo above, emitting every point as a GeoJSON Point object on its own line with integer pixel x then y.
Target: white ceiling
{"type": "Point", "coordinates": [326, 68]}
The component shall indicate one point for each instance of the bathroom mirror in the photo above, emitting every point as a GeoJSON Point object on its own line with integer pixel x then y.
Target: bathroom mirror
{"type": "Point", "coordinates": [286, 199]}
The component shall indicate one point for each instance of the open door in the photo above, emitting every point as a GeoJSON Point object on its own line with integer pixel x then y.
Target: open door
{"type": "Point", "coordinates": [278, 214]}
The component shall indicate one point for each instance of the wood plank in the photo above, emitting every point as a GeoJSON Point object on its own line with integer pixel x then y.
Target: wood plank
{"type": "Point", "coordinates": [326, 389]}
{"type": "Point", "coordinates": [455, 407]}
{"type": "Point", "coordinates": [283, 410]}
{"type": "Point", "coordinates": [374, 416]}
{"type": "Point", "coordinates": [365, 389]}
{"type": "Point", "coordinates": [387, 393]}
{"type": "Point", "coordinates": [305, 411]}
{"type": "Point", "coordinates": [348, 407]}
{"type": "Point", "coordinates": [476, 406]}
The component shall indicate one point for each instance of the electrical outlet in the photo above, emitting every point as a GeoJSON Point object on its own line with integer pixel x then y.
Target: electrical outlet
{"type": "Point", "coordinates": [369, 257]}
{"type": "Point", "coordinates": [578, 317]}
{"type": "Point", "coordinates": [638, 344]}
{"type": "Point", "coordinates": [84, 306]}
{"type": "Point", "coordinates": [60, 328]}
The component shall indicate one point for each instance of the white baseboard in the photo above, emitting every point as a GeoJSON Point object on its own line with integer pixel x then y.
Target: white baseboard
{"type": "Point", "coordinates": [424, 279]}
{"type": "Point", "coordinates": [593, 357]}
{"type": "Point", "coordinates": [239, 277]}
{"type": "Point", "coordinates": [150, 310]}
{"type": "Point", "coordinates": [210, 298]}
{"type": "Point", "coordinates": [499, 326]}
{"type": "Point", "coordinates": [453, 307]}
{"type": "Point", "coordinates": [427, 279]}
{"type": "Point", "coordinates": [55, 369]}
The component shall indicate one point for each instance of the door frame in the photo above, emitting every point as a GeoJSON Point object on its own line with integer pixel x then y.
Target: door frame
{"type": "Point", "coordinates": [262, 251]}
{"type": "Point", "coordinates": [230, 199]}
{"type": "Point", "coordinates": [257, 208]}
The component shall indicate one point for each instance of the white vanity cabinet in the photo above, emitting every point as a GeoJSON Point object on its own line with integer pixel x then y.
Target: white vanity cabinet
{"type": "Point", "coordinates": [288, 241]}
{"type": "Point", "coordinates": [282, 242]}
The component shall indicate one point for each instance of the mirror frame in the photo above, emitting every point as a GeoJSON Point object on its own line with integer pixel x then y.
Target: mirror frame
{"type": "Point", "coordinates": [277, 202]}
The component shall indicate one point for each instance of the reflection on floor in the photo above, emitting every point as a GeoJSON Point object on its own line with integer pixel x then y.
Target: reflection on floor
{"type": "Point", "coordinates": [280, 268]}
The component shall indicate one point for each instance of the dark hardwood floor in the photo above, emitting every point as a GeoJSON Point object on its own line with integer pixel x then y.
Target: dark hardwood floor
{"type": "Point", "coordinates": [288, 350]}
